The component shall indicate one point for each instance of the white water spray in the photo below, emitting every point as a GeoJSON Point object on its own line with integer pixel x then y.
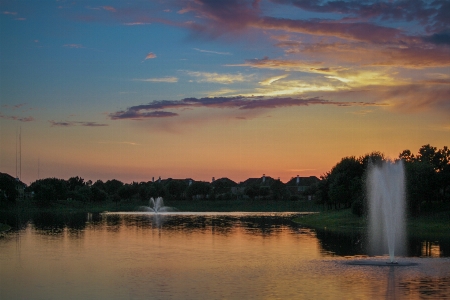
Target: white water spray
{"type": "Point", "coordinates": [386, 193]}
{"type": "Point", "coordinates": [156, 206]}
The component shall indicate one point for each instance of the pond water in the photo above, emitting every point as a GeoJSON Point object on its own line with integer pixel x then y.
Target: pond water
{"type": "Point", "coordinates": [205, 256]}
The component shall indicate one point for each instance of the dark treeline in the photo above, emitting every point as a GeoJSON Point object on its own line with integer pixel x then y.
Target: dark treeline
{"type": "Point", "coordinates": [427, 180]}
{"type": "Point", "coordinates": [45, 192]}
{"type": "Point", "coordinates": [427, 176]}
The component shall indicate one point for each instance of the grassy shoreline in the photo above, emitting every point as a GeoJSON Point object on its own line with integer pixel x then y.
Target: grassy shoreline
{"type": "Point", "coordinates": [433, 225]}
{"type": "Point", "coordinates": [181, 205]}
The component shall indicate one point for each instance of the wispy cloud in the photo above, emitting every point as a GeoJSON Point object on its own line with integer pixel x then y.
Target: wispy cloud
{"type": "Point", "coordinates": [75, 46]}
{"type": "Point", "coordinates": [134, 113]}
{"type": "Point", "coordinates": [109, 8]}
{"type": "Point", "coordinates": [160, 79]}
{"type": "Point", "coordinates": [218, 78]}
{"type": "Point", "coordinates": [212, 52]}
{"type": "Point", "coordinates": [120, 143]}
{"type": "Point", "coordinates": [136, 23]}
{"type": "Point", "coordinates": [155, 108]}
{"type": "Point", "coordinates": [270, 80]}
{"type": "Point", "coordinates": [17, 118]}
{"type": "Point", "coordinates": [75, 123]}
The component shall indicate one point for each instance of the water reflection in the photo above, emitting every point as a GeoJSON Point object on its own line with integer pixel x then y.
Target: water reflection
{"type": "Point", "coordinates": [331, 244]}
{"type": "Point", "coordinates": [191, 256]}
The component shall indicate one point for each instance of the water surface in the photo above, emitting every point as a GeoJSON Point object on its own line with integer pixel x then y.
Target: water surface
{"type": "Point", "coordinates": [202, 256]}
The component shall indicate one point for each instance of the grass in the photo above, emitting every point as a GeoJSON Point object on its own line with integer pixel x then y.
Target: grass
{"type": "Point", "coordinates": [181, 205]}
{"type": "Point", "coordinates": [431, 225]}
{"type": "Point", "coordinates": [244, 205]}
{"type": "Point", "coordinates": [342, 221]}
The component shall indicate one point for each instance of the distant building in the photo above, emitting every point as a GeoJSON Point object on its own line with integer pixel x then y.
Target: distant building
{"type": "Point", "coordinates": [298, 185]}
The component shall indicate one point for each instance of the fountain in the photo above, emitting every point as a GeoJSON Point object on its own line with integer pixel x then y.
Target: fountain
{"type": "Point", "coordinates": [386, 194]}
{"type": "Point", "coordinates": [156, 206]}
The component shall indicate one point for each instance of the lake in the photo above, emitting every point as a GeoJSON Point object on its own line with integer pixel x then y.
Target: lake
{"type": "Point", "coordinates": [205, 256]}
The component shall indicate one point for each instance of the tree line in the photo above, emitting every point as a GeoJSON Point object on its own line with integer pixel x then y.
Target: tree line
{"type": "Point", "coordinates": [427, 180]}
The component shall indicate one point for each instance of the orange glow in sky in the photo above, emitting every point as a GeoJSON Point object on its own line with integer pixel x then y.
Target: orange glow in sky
{"type": "Point", "coordinates": [206, 89]}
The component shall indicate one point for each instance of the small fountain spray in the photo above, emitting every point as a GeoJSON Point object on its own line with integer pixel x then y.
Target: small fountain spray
{"type": "Point", "coordinates": [386, 193]}
{"type": "Point", "coordinates": [156, 206]}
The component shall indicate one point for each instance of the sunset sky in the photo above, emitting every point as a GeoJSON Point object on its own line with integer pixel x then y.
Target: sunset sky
{"type": "Point", "coordinates": [198, 89]}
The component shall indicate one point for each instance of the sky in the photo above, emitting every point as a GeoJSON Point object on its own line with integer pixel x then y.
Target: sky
{"type": "Point", "coordinates": [131, 90]}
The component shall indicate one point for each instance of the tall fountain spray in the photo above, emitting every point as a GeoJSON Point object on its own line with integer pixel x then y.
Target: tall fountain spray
{"type": "Point", "coordinates": [386, 193]}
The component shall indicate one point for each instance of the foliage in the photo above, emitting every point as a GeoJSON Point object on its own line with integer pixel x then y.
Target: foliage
{"type": "Point", "coordinates": [427, 179]}
{"type": "Point", "coordinates": [8, 190]}
{"type": "Point", "coordinates": [198, 189]}
{"type": "Point", "coordinates": [176, 189]}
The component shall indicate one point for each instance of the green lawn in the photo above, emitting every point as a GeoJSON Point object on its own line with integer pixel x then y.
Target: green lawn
{"type": "Point", "coordinates": [430, 225]}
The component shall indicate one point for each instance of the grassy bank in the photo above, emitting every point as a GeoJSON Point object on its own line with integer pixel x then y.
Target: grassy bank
{"type": "Point", "coordinates": [245, 206]}
{"type": "Point", "coordinates": [181, 205]}
{"type": "Point", "coordinates": [431, 225]}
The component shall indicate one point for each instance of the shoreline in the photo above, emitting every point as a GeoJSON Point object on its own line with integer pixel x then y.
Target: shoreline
{"type": "Point", "coordinates": [432, 225]}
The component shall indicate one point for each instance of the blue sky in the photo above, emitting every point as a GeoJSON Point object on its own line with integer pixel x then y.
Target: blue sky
{"type": "Point", "coordinates": [201, 89]}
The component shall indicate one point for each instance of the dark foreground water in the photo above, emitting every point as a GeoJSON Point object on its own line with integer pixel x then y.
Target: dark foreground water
{"type": "Point", "coordinates": [206, 256]}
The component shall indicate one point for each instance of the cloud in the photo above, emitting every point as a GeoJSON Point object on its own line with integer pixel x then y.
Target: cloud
{"type": "Point", "coordinates": [357, 31]}
{"type": "Point", "coordinates": [17, 118]}
{"type": "Point", "coordinates": [271, 80]}
{"type": "Point", "coordinates": [279, 64]}
{"type": "Point", "coordinates": [135, 24]}
{"type": "Point", "coordinates": [75, 123]}
{"type": "Point", "coordinates": [109, 8]}
{"type": "Point", "coordinates": [418, 97]}
{"type": "Point", "coordinates": [213, 52]}
{"type": "Point", "coordinates": [10, 13]}
{"type": "Point", "coordinates": [150, 56]}
{"type": "Point", "coordinates": [136, 114]}
{"type": "Point", "coordinates": [75, 46]}
{"type": "Point", "coordinates": [153, 109]}
{"type": "Point", "coordinates": [431, 14]}
{"type": "Point", "coordinates": [122, 143]}
{"type": "Point", "coordinates": [219, 78]}
{"type": "Point", "coordinates": [161, 79]}
{"type": "Point", "coordinates": [440, 38]}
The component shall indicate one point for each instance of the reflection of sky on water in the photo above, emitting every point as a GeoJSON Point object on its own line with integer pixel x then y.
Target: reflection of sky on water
{"type": "Point", "coordinates": [216, 256]}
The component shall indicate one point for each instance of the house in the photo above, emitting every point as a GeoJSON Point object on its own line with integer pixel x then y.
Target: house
{"type": "Point", "coordinates": [298, 185]}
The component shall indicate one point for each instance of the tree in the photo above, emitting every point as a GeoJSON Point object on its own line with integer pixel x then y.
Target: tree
{"type": "Point", "coordinates": [420, 185]}
{"type": "Point", "coordinates": [176, 188]}
{"type": "Point", "coordinates": [51, 189]}
{"type": "Point", "coordinates": [111, 187]}
{"type": "Point", "coordinates": [8, 189]}
{"type": "Point", "coordinates": [198, 189]}
{"type": "Point", "coordinates": [342, 180]}
{"type": "Point", "coordinates": [157, 189]}
{"type": "Point", "coordinates": [407, 156]}
{"type": "Point", "coordinates": [98, 195]}
{"type": "Point", "coordinates": [278, 189]}
{"type": "Point", "coordinates": [75, 182]}
{"type": "Point", "coordinates": [128, 191]}
{"type": "Point", "coordinates": [252, 191]}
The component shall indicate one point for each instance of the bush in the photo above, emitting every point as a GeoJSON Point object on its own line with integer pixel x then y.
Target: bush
{"type": "Point", "coordinates": [294, 198]}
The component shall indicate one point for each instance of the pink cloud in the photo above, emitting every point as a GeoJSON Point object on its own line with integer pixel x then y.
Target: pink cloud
{"type": "Point", "coordinates": [150, 55]}
{"type": "Point", "coordinates": [109, 8]}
